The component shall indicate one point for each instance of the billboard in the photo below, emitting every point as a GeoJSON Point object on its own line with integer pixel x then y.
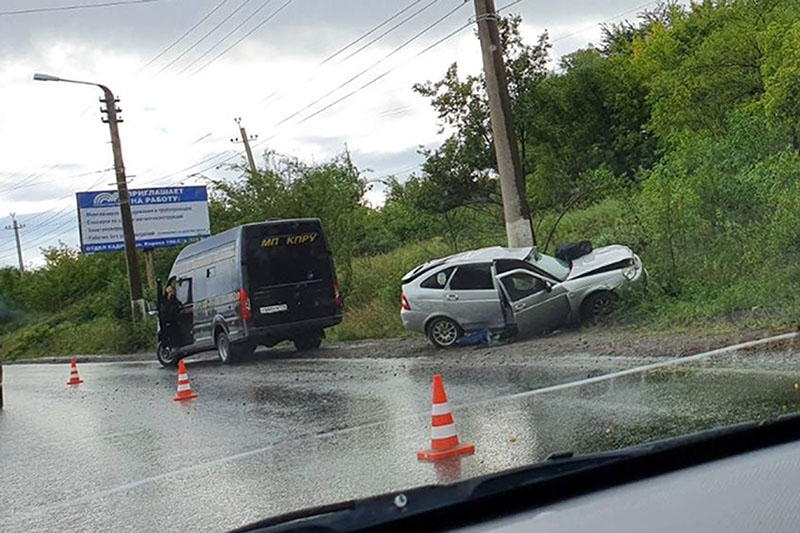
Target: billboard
{"type": "Point", "coordinates": [163, 216]}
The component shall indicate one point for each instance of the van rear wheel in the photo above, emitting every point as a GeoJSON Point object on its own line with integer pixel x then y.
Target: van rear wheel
{"type": "Point", "coordinates": [310, 341]}
{"type": "Point", "coordinates": [224, 349]}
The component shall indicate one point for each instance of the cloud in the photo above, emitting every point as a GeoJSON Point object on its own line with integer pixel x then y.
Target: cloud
{"type": "Point", "coordinates": [178, 124]}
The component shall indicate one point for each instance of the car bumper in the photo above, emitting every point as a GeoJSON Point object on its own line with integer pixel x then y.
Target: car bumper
{"type": "Point", "coordinates": [281, 332]}
{"type": "Point", "coordinates": [414, 320]}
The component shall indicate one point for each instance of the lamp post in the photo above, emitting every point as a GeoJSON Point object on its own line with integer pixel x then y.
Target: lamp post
{"type": "Point", "coordinates": [134, 279]}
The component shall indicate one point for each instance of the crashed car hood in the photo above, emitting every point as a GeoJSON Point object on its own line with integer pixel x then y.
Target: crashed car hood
{"type": "Point", "coordinates": [599, 258]}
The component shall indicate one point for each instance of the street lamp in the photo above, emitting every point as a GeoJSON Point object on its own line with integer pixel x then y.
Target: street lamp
{"type": "Point", "coordinates": [134, 279]}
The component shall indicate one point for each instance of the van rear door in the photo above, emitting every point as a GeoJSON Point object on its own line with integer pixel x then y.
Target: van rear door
{"type": "Point", "coordinates": [290, 273]}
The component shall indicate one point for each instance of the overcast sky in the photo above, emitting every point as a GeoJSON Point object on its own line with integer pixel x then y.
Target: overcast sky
{"type": "Point", "coordinates": [261, 60]}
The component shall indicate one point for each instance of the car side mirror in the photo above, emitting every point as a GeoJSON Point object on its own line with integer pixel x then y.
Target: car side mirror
{"type": "Point", "coordinates": [547, 286]}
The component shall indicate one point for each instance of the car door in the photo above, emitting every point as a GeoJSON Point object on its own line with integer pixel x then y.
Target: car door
{"type": "Point", "coordinates": [186, 318]}
{"type": "Point", "coordinates": [472, 299]}
{"type": "Point", "coordinates": [205, 297]}
{"type": "Point", "coordinates": [537, 305]}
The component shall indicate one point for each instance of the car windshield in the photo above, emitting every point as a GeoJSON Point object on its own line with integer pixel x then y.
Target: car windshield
{"type": "Point", "coordinates": [558, 268]}
{"type": "Point", "coordinates": [410, 244]}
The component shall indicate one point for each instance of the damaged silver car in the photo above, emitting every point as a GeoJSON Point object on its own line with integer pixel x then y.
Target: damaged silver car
{"type": "Point", "coordinates": [509, 290]}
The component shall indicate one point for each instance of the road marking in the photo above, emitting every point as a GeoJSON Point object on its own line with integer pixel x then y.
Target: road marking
{"type": "Point", "coordinates": [631, 371]}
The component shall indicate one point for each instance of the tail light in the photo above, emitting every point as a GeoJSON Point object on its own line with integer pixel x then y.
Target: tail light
{"type": "Point", "coordinates": [244, 303]}
{"type": "Point", "coordinates": [336, 294]}
{"type": "Point", "coordinates": [404, 301]}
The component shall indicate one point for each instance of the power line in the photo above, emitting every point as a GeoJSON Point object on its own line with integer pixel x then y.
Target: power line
{"type": "Point", "coordinates": [185, 34]}
{"type": "Point", "coordinates": [402, 22]}
{"type": "Point", "coordinates": [34, 184]}
{"type": "Point", "coordinates": [58, 215]}
{"type": "Point", "coordinates": [587, 28]}
{"type": "Point", "coordinates": [371, 42]}
{"type": "Point", "coordinates": [345, 48]}
{"type": "Point", "coordinates": [377, 78]}
{"type": "Point", "coordinates": [261, 143]}
{"type": "Point", "coordinates": [367, 34]}
{"type": "Point", "coordinates": [225, 37]}
{"type": "Point", "coordinates": [381, 60]}
{"type": "Point", "coordinates": [245, 36]}
{"type": "Point", "coordinates": [204, 37]}
{"type": "Point", "coordinates": [75, 7]}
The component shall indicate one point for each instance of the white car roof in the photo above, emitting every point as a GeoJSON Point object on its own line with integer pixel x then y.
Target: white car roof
{"type": "Point", "coordinates": [489, 254]}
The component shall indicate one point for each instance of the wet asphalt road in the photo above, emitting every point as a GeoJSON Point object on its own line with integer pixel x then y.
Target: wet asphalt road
{"type": "Point", "coordinates": [274, 435]}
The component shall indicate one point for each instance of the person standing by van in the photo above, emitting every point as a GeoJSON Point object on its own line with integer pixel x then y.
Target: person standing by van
{"type": "Point", "coordinates": [170, 313]}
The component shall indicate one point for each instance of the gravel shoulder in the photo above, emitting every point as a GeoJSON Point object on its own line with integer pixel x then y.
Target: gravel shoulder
{"type": "Point", "coordinates": [594, 341]}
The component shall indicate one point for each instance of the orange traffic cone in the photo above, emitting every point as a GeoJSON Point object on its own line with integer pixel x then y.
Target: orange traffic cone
{"type": "Point", "coordinates": [444, 437]}
{"type": "Point", "coordinates": [184, 388]}
{"type": "Point", "coordinates": [74, 379]}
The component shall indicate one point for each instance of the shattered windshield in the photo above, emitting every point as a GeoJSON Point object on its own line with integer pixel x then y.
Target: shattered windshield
{"type": "Point", "coordinates": [558, 268]}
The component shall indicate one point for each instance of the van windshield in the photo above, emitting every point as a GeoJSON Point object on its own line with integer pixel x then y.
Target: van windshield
{"type": "Point", "coordinates": [281, 255]}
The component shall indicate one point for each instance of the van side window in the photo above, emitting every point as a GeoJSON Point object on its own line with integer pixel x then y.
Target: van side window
{"type": "Point", "coordinates": [184, 290]}
{"type": "Point", "coordinates": [438, 280]}
{"type": "Point", "coordinates": [472, 277]}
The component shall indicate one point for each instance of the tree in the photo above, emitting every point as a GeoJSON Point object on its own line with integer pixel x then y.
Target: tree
{"type": "Point", "coordinates": [463, 171]}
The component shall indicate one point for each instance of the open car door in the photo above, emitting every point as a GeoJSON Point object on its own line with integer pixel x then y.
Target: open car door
{"type": "Point", "coordinates": [186, 316]}
{"type": "Point", "coordinates": [536, 304]}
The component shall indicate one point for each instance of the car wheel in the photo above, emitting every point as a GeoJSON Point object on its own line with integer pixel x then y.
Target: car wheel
{"type": "Point", "coordinates": [311, 341]}
{"type": "Point", "coordinates": [224, 349]}
{"type": "Point", "coordinates": [596, 307]}
{"type": "Point", "coordinates": [166, 355]}
{"type": "Point", "coordinates": [444, 332]}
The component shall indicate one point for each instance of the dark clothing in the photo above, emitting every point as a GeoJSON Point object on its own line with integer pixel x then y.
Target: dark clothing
{"type": "Point", "coordinates": [170, 313]}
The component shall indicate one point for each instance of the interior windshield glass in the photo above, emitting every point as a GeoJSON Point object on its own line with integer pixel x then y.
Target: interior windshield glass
{"type": "Point", "coordinates": [347, 195]}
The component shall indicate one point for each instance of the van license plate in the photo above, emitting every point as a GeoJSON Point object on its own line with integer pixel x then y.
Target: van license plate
{"type": "Point", "coordinates": [273, 309]}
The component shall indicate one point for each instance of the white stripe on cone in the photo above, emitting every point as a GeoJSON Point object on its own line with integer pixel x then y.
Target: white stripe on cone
{"type": "Point", "coordinates": [440, 409]}
{"type": "Point", "coordinates": [183, 377]}
{"type": "Point", "coordinates": [443, 432]}
{"type": "Point", "coordinates": [183, 387]}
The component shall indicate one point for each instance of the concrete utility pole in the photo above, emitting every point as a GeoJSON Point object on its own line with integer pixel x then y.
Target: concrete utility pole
{"type": "Point", "coordinates": [246, 140]}
{"type": "Point", "coordinates": [111, 109]}
{"type": "Point", "coordinates": [16, 226]}
{"type": "Point", "coordinates": [512, 182]}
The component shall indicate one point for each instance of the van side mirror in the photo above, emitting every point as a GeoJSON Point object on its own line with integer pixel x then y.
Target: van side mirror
{"type": "Point", "coordinates": [548, 286]}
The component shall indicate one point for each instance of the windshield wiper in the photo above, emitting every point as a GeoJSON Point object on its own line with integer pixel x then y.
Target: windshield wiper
{"type": "Point", "coordinates": [559, 477]}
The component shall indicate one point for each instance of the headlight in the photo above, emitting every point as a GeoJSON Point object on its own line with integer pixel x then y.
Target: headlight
{"type": "Point", "coordinates": [629, 272]}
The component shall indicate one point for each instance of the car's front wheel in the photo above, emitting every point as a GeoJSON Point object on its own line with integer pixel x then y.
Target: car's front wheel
{"type": "Point", "coordinates": [444, 332]}
{"type": "Point", "coordinates": [597, 306]}
{"type": "Point", "coordinates": [166, 355]}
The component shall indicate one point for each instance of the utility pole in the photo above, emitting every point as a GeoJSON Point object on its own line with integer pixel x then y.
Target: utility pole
{"type": "Point", "coordinates": [16, 226]}
{"type": "Point", "coordinates": [512, 182]}
{"type": "Point", "coordinates": [134, 277]}
{"type": "Point", "coordinates": [246, 141]}
{"type": "Point", "coordinates": [111, 109]}
{"type": "Point", "coordinates": [148, 268]}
